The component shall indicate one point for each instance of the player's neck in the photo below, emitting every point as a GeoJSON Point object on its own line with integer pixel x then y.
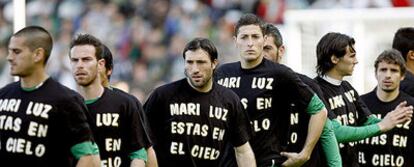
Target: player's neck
{"type": "Point", "coordinates": [92, 91]}
{"type": "Point", "coordinates": [335, 75]}
{"type": "Point", "coordinates": [251, 64]}
{"type": "Point", "coordinates": [387, 96]}
{"type": "Point", "coordinates": [33, 80]}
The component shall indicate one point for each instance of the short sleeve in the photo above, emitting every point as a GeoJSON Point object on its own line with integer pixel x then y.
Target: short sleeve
{"type": "Point", "coordinates": [241, 130]}
{"type": "Point", "coordinates": [73, 113]}
{"type": "Point", "coordinates": [150, 108]}
{"type": "Point", "coordinates": [137, 134]}
{"type": "Point", "coordinates": [294, 88]}
{"type": "Point", "coordinates": [363, 110]}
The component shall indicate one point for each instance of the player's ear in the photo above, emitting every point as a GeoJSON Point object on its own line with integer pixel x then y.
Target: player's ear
{"type": "Point", "coordinates": [410, 55]}
{"type": "Point", "coordinates": [101, 65]}
{"type": "Point", "coordinates": [39, 55]}
{"type": "Point", "coordinates": [214, 64]}
{"type": "Point", "coordinates": [281, 51]}
{"type": "Point", "coordinates": [334, 59]}
{"type": "Point", "coordinates": [235, 40]}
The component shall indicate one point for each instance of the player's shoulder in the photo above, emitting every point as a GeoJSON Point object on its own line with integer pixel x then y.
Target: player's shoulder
{"type": "Point", "coordinates": [169, 88]}
{"type": "Point", "coordinates": [228, 67]}
{"type": "Point", "coordinates": [306, 79]}
{"type": "Point", "coordinates": [223, 92]}
{"type": "Point", "coordinates": [58, 91]}
{"type": "Point", "coordinates": [407, 97]}
{"type": "Point", "coordinates": [409, 77]}
{"type": "Point", "coordinates": [10, 87]}
{"type": "Point", "coordinates": [369, 95]}
{"type": "Point", "coordinates": [121, 96]}
{"type": "Point", "coordinates": [312, 83]}
{"type": "Point", "coordinates": [119, 92]}
{"type": "Point", "coordinates": [277, 69]}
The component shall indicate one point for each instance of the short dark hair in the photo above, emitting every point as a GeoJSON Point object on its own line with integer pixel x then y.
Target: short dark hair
{"type": "Point", "coordinates": [107, 56]}
{"type": "Point", "coordinates": [391, 56]}
{"type": "Point", "coordinates": [87, 39]}
{"type": "Point", "coordinates": [36, 37]}
{"type": "Point", "coordinates": [331, 44]}
{"type": "Point", "coordinates": [249, 19]}
{"type": "Point", "coordinates": [273, 31]}
{"type": "Point", "coordinates": [404, 40]}
{"type": "Point", "coordinates": [201, 43]}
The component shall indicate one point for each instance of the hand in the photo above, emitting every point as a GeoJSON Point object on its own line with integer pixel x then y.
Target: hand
{"type": "Point", "coordinates": [400, 114]}
{"type": "Point", "coordinates": [294, 159]}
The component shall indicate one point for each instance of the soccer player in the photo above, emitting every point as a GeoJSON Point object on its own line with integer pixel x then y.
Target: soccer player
{"type": "Point", "coordinates": [404, 42]}
{"type": "Point", "coordinates": [273, 50]}
{"type": "Point", "coordinates": [105, 76]}
{"type": "Point", "coordinates": [195, 121]}
{"type": "Point", "coordinates": [42, 123]}
{"type": "Point", "coordinates": [336, 58]}
{"type": "Point", "coordinates": [118, 128]}
{"type": "Point", "coordinates": [391, 148]}
{"type": "Point", "coordinates": [266, 90]}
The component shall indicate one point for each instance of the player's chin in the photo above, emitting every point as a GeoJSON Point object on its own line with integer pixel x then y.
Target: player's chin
{"type": "Point", "coordinates": [17, 73]}
{"type": "Point", "coordinates": [250, 57]}
{"type": "Point", "coordinates": [14, 73]}
{"type": "Point", "coordinates": [82, 82]}
{"type": "Point", "coordinates": [198, 84]}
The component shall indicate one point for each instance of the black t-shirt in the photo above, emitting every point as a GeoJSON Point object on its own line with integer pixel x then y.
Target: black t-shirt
{"type": "Point", "coordinates": [117, 128]}
{"type": "Point", "coordinates": [38, 128]}
{"type": "Point", "coordinates": [141, 114]}
{"type": "Point", "coordinates": [407, 85]}
{"type": "Point", "coordinates": [191, 128]}
{"type": "Point", "coordinates": [266, 91]}
{"type": "Point", "coordinates": [298, 129]}
{"type": "Point", "coordinates": [393, 148]}
{"type": "Point", "coordinates": [344, 105]}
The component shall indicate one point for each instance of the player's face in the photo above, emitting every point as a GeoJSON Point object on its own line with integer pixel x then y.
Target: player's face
{"type": "Point", "coordinates": [199, 69]}
{"type": "Point", "coordinates": [250, 42]}
{"type": "Point", "coordinates": [271, 51]}
{"type": "Point", "coordinates": [20, 57]}
{"type": "Point", "coordinates": [346, 64]}
{"type": "Point", "coordinates": [388, 76]}
{"type": "Point", "coordinates": [84, 64]}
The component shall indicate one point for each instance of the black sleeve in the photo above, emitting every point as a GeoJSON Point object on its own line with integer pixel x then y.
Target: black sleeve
{"type": "Point", "coordinates": [241, 125]}
{"type": "Point", "coordinates": [295, 89]}
{"type": "Point", "coordinates": [74, 115]}
{"type": "Point", "coordinates": [362, 109]}
{"type": "Point", "coordinates": [150, 109]}
{"type": "Point", "coordinates": [137, 134]}
{"type": "Point", "coordinates": [145, 124]}
{"type": "Point", "coordinates": [314, 86]}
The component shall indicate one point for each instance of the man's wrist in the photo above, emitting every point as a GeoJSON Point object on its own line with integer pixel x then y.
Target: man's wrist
{"type": "Point", "coordinates": [305, 154]}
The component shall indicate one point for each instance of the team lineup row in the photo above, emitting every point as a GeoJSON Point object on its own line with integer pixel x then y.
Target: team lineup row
{"type": "Point", "coordinates": [254, 112]}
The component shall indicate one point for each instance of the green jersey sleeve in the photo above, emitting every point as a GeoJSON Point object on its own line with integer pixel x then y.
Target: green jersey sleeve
{"type": "Point", "coordinates": [330, 145]}
{"type": "Point", "coordinates": [84, 148]}
{"type": "Point", "coordinates": [348, 134]}
{"type": "Point", "coordinates": [315, 105]}
{"type": "Point", "coordinates": [139, 154]}
{"type": "Point", "coordinates": [372, 120]}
